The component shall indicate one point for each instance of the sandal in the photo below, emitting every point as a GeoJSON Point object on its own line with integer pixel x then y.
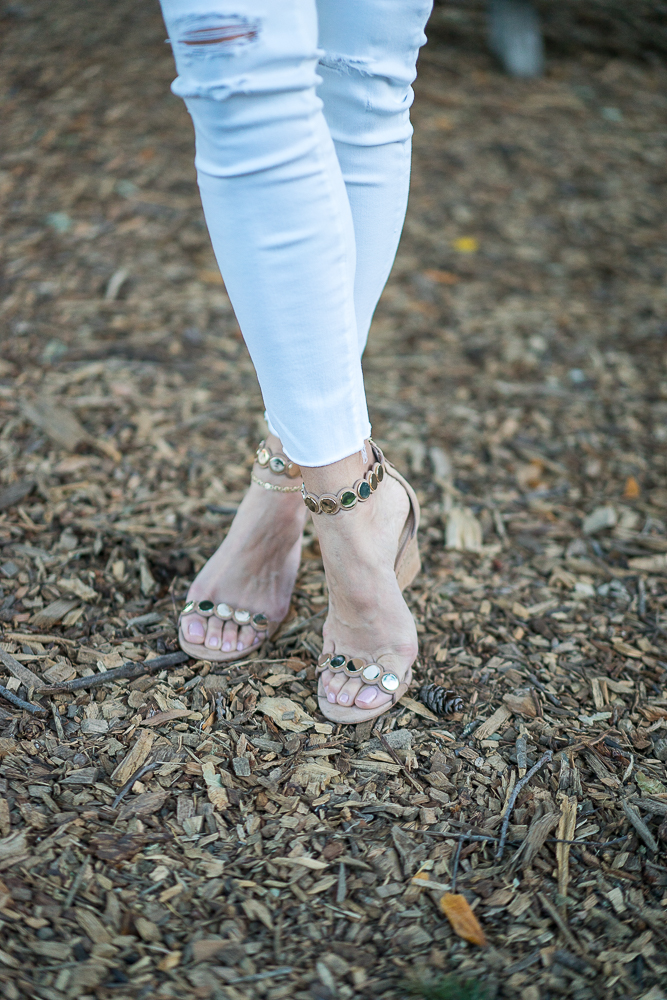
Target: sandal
{"type": "Point", "coordinates": [406, 567]}
{"type": "Point", "coordinates": [279, 464]}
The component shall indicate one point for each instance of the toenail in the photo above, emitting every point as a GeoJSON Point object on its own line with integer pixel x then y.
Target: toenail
{"type": "Point", "coordinates": [239, 645]}
{"type": "Point", "coordinates": [213, 641]}
{"type": "Point", "coordinates": [344, 698]}
{"type": "Point", "coordinates": [226, 646]}
{"type": "Point", "coordinates": [196, 629]}
{"type": "Point", "coordinates": [367, 696]}
{"type": "Point", "coordinates": [331, 697]}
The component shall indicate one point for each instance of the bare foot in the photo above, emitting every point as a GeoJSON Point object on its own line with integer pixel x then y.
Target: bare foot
{"type": "Point", "coordinates": [368, 616]}
{"type": "Point", "coordinates": [255, 566]}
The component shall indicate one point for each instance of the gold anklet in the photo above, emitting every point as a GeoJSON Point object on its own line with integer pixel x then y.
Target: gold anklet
{"type": "Point", "coordinates": [349, 496]}
{"type": "Point", "coordinates": [271, 486]}
{"type": "Point", "coordinates": [279, 464]}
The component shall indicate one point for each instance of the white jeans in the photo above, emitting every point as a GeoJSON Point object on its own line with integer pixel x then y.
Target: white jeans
{"type": "Point", "coordinates": [302, 129]}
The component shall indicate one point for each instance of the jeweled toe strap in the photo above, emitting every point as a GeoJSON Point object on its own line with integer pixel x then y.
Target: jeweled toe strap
{"type": "Point", "coordinates": [368, 673]}
{"type": "Point", "coordinates": [207, 609]}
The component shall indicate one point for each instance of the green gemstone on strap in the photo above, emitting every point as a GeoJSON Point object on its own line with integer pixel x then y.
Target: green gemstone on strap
{"type": "Point", "coordinates": [364, 491]}
{"type": "Point", "coordinates": [206, 605]}
{"type": "Point", "coordinates": [348, 499]}
{"type": "Point", "coordinates": [337, 661]}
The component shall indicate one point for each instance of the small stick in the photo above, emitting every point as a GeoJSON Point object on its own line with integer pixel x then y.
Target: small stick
{"type": "Point", "coordinates": [76, 884]}
{"type": "Point", "coordinates": [127, 670]}
{"type": "Point", "coordinates": [294, 629]}
{"type": "Point", "coordinates": [392, 753]}
{"type": "Point", "coordinates": [137, 776]}
{"type": "Point", "coordinates": [17, 702]}
{"type": "Point", "coordinates": [455, 866]}
{"type": "Point", "coordinates": [513, 797]}
{"type": "Point", "coordinates": [547, 694]}
{"type": "Point", "coordinates": [57, 721]}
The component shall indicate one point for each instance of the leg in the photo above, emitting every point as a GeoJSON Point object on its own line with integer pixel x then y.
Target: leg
{"type": "Point", "coordinates": [371, 50]}
{"type": "Point", "coordinates": [367, 70]}
{"type": "Point", "coordinates": [280, 223]}
{"type": "Point", "coordinates": [277, 211]}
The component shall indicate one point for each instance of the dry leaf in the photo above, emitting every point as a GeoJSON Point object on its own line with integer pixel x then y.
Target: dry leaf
{"type": "Point", "coordinates": [286, 714]}
{"type": "Point", "coordinates": [464, 922]}
{"type": "Point", "coordinates": [216, 792]}
{"type": "Point", "coordinates": [464, 532]}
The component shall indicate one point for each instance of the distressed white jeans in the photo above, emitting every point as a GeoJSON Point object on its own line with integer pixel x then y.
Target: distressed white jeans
{"type": "Point", "coordinates": [303, 140]}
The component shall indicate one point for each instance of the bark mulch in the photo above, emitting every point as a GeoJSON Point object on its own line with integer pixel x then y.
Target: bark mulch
{"type": "Point", "coordinates": [169, 829]}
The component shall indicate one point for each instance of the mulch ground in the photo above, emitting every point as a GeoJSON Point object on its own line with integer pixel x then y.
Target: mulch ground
{"type": "Point", "coordinates": [177, 830]}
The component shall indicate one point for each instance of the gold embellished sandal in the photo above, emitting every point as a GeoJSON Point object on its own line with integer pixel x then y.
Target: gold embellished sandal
{"type": "Point", "coordinates": [279, 464]}
{"type": "Point", "coordinates": [406, 566]}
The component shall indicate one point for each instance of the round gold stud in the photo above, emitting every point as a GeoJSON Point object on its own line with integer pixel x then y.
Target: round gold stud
{"type": "Point", "coordinates": [189, 608]}
{"type": "Point", "coordinates": [312, 505]}
{"type": "Point", "coordinates": [263, 456]}
{"type": "Point", "coordinates": [379, 472]}
{"type": "Point", "coordinates": [260, 621]}
{"type": "Point", "coordinates": [323, 659]}
{"type": "Point", "coordinates": [224, 612]}
{"type": "Point", "coordinates": [389, 682]}
{"type": "Point", "coordinates": [354, 666]}
{"type": "Point", "coordinates": [205, 608]}
{"type": "Point", "coordinates": [337, 662]}
{"type": "Point", "coordinates": [277, 464]}
{"type": "Point", "coordinates": [329, 503]}
{"type": "Point", "coordinates": [371, 672]}
{"type": "Point", "coordinates": [241, 616]}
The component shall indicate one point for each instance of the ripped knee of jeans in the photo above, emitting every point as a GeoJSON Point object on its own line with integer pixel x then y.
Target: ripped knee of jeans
{"type": "Point", "coordinates": [201, 36]}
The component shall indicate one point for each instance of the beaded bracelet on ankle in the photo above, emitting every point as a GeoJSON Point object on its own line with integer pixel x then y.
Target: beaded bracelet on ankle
{"type": "Point", "coordinates": [349, 496]}
{"type": "Point", "coordinates": [279, 464]}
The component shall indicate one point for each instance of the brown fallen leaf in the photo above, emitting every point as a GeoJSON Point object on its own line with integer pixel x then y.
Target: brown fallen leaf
{"type": "Point", "coordinates": [144, 805]}
{"type": "Point", "coordinates": [16, 492]}
{"type": "Point", "coordinates": [464, 922]}
{"type": "Point", "coordinates": [161, 717]}
{"type": "Point", "coordinates": [59, 424]}
{"type": "Point", "coordinates": [111, 847]}
{"type": "Point", "coordinates": [286, 714]}
{"type": "Point", "coordinates": [216, 793]}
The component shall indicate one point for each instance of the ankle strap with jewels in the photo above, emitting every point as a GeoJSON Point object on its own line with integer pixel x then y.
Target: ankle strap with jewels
{"type": "Point", "coordinates": [277, 463]}
{"type": "Point", "coordinates": [349, 496]}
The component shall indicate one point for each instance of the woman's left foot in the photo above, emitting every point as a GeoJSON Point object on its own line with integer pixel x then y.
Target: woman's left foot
{"type": "Point", "coordinates": [368, 618]}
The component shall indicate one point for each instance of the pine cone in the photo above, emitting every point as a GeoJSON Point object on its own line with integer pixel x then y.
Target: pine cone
{"type": "Point", "coordinates": [440, 700]}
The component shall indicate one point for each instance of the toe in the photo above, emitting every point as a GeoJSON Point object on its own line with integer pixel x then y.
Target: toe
{"type": "Point", "coordinates": [194, 628]}
{"type": "Point", "coordinates": [229, 636]}
{"type": "Point", "coordinates": [213, 633]}
{"type": "Point", "coordinates": [248, 637]}
{"type": "Point", "coordinates": [370, 695]}
{"type": "Point", "coordinates": [333, 686]}
{"type": "Point", "coordinates": [347, 693]}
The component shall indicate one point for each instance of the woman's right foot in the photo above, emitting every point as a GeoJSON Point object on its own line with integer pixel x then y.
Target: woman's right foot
{"type": "Point", "coordinates": [254, 568]}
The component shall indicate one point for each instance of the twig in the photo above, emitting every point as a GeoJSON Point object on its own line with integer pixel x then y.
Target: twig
{"type": "Point", "coordinates": [547, 694]}
{"type": "Point", "coordinates": [17, 702]}
{"type": "Point", "coordinates": [76, 884]}
{"type": "Point", "coordinates": [137, 776]}
{"type": "Point", "coordinates": [455, 866]}
{"type": "Point", "coordinates": [299, 627]}
{"type": "Point", "coordinates": [57, 722]}
{"type": "Point", "coordinates": [565, 930]}
{"type": "Point", "coordinates": [392, 753]}
{"type": "Point", "coordinates": [127, 670]}
{"type": "Point", "coordinates": [513, 797]}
